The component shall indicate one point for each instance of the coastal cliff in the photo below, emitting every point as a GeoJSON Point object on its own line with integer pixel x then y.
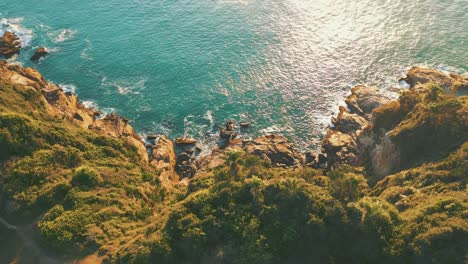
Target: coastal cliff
{"type": "Point", "coordinates": [389, 185]}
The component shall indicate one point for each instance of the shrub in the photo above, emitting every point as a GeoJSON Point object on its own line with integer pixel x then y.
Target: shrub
{"type": "Point", "coordinates": [64, 229]}
{"type": "Point", "coordinates": [86, 178]}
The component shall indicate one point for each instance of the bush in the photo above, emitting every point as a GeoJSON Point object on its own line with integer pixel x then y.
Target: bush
{"type": "Point", "coordinates": [348, 187]}
{"type": "Point", "coordinates": [63, 229]}
{"type": "Point", "coordinates": [86, 178]}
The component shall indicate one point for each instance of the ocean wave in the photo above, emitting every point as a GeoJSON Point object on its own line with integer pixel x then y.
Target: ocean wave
{"type": "Point", "coordinates": [89, 104]}
{"type": "Point", "coordinates": [84, 54]}
{"type": "Point", "coordinates": [68, 88]}
{"type": "Point", "coordinates": [14, 25]}
{"type": "Point", "coordinates": [209, 117]}
{"type": "Point", "coordinates": [275, 129]}
{"type": "Point", "coordinates": [61, 35]}
{"type": "Point", "coordinates": [125, 87]}
{"type": "Point", "coordinates": [105, 111]}
{"type": "Point", "coordinates": [13, 60]}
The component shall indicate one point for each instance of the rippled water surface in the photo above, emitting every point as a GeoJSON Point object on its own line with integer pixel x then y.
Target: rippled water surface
{"type": "Point", "coordinates": [185, 67]}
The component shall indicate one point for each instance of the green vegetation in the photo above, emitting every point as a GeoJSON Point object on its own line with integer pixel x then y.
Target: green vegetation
{"type": "Point", "coordinates": [86, 178]}
{"type": "Point", "coordinates": [88, 192]}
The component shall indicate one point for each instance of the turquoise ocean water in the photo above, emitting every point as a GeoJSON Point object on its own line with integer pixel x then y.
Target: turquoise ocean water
{"type": "Point", "coordinates": [184, 67]}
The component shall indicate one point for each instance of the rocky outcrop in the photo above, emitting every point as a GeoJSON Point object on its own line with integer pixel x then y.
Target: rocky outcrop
{"type": "Point", "coordinates": [374, 132]}
{"type": "Point", "coordinates": [10, 44]}
{"type": "Point", "coordinates": [451, 83]}
{"type": "Point", "coordinates": [347, 122]}
{"type": "Point", "coordinates": [67, 106]}
{"type": "Point", "coordinates": [186, 166]}
{"type": "Point", "coordinates": [185, 141]}
{"type": "Point", "coordinates": [340, 148]}
{"type": "Point", "coordinates": [40, 52]}
{"type": "Point", "coordinates": [364, 99]}
{"type": "Point", "coordinates": [277, 149]}
{"type": "Point", "coordinates": [340, 145]}
{"type": "Point", "coordinates": [163, 157]}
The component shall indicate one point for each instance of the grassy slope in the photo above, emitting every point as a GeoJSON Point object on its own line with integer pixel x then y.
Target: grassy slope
{"type": "Point", "coordinates": [90, 193]}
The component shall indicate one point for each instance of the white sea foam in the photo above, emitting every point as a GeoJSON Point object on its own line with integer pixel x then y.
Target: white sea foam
{"type": "Point", "coordinates": [209, 117]}
{"type": "Point", "coordinates": [90, 104]}
{"type": "Point", "coordinates": [68, 87]}
{"type": "Point", "coordinates": [12, 60]}
{"type": "Point", "coordinates": [125, 87]}
{"type": "Point", "coordinates": [84, 54]}
{"type": "Point", "coordinates": [275, 129]}
{"type": "Point", "coordinates": [14, 25]}
{"type": "Point", "coordinates": [107, 111]}
{"type": "Point", "coordinates": [61, 35]}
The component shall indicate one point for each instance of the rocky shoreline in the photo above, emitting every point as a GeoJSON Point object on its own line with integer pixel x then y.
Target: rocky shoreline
{"type": "Point", "coordinates": [356, 137]}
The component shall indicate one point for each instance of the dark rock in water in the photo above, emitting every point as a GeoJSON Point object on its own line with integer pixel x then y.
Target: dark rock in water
{"type": "Point", "coordinates": [151, 137]}
{"type": "Point", "coordinates": [227, 134]}
{"type": "Point", "coordinates": [230, 125]}
{"type": "Point", "coordinates": [244, 125]}
{"type": "Point", "coordinates": [10, 44]}
{"type": "Point", "coordinates": [40, 52]}
{"type": "Point", "coordinates": [185, 141]}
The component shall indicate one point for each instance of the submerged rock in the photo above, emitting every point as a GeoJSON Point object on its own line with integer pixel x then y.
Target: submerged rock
{"type": "Point", "coordinates": [10, 44]}
{"type": "Point", "coordinates": [40, 52]}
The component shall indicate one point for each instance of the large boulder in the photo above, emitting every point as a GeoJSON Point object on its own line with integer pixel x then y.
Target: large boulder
{"type": "Point", "coordinates": [164, 158]}
{"type": "Point", "coordinates": [340, 148]}
{"type": "Point", "coordinates": [185, 141]}
{"type": "Point", "coordinates": [40, 52]}
{"type": "Point", "coordinates": [348, 123]}
{"type": "Point", "coordinates": [163, 154]}
{"type": "Point", "coordinates": [10, 44]}
{"type": "Point", "coordinates": [364, 99]}
{"type": "Point", "coordinates": [276, 149]}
